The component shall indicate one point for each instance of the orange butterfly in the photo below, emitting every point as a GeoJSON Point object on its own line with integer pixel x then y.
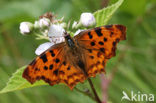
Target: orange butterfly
{"type": "Point", "coordinates": [77, 58]}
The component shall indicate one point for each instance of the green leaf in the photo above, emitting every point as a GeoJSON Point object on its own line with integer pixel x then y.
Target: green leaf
{"type": "Point", "coordinates": [16, 82]}
{"type": "Point", "coordinates": [102, 16]}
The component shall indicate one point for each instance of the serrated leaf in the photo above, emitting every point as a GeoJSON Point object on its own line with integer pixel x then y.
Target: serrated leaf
{"type": "Point", "coordinates": [16, 82]}
{"type": "Point", "coordinates": [103, 16]}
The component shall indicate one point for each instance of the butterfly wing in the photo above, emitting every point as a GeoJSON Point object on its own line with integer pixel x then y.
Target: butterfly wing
{"type": "Point", "coordinates": [45, 66]}
{"type": "Point", "coordinates": [53, 67]}
{"type": "Point", "coordinates": [95, 62]}
{"type": "Point", "coordinates": [100, 45]}
{"type": "Point", "coordinates": [70, 75]}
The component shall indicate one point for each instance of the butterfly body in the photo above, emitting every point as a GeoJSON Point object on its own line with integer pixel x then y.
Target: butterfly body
{"type": "Point", "coordinates": [75, 53]}
{"type": "Point", "coordinates": [78, 58]}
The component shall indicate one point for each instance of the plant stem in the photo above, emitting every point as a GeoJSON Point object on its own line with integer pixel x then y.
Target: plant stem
{"type": "Point", "coordinates": [87, 93]}
{"type": "Point", "coordinates": [94, 91]}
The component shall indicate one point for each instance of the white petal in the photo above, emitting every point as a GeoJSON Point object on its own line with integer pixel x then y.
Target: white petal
{"type": "Point", "coordinates": [56, 30]}
{"type": "Point", "coordinates": [87, 19]}
{"type": "Point", "coordinates": [56, 40]}
{"type": "Point", "coordinates": [77, 32]}
{"type": "Point", "coordinates": [43, 47]}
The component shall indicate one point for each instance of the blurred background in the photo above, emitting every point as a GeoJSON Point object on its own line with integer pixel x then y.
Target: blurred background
{"type": "Point", "coordinates": [136, 69]}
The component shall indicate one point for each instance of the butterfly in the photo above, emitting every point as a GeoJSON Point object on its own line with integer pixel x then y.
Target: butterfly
{"type": "Point", "coordinates": [78, 58]}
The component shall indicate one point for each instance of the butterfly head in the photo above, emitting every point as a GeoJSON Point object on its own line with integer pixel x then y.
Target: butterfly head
{"type": "Point", "coordinates": [69, 40]}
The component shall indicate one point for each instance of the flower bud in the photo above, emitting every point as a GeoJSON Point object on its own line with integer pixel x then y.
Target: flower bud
{"type": "Point", "coordinates": [25, 27]}
{"type": "Point", "coordinates": [43, 47]}
{"type": "Point", "coordinates": [44, 22]}
{"type": "Point", "coordinates": [87, 19]}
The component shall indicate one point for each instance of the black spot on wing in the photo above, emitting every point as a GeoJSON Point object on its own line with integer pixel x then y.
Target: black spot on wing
{"type": "Point", "coordinates": [44, 58]}
{"type": "Point", "coordinates": [102, 50]}
{"type": "Point", "coordinates": [52, 53]}
{"type": "Point", "coordinates": [61, 72]}
{"type": "Point", "coordinates": [64, 63]}
{"type": "Point", "coordinates": [45, 67]}
{"type": "Point", "coordinates": [101, 43]}
{"type": "Point", "coordinates": [92, 57]}
{"type": "Point", "coordinates": [56, 72]}
{"type": "Point", "coordinates": [90, 36]}
{"type": "Point", "coordinates": [51, 67]}
{"type": "Point", "coordinates": [68, 68]}
{"type": "Point", "coordinates": [57, 60]}
{"type": "Point", "coordinates": [104, 39]}
{"type": "Point", "coordinates": [43, 77]}
{"type": "Point", "coordinates": [92, 43]}
{"type": "Point", "coordinates": [98, 32]}
{"type": "Point", "coordinates": [111, 34]}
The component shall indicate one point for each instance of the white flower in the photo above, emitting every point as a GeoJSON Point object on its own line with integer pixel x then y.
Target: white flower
{"type": "Point", "coordinates": [87, 19]}
{"type": "Point", "coordinates": [25, 27]}
{"type": "Point", "coordinates": [44, 22]}
{"type": "Point", "coordinates": [77, 32]}
{"type": "Point", "coordinates": [43, 47]}
{"type": "Point", "coordinates": [74, 24]}
{"type": "Point", "coordinates": [56, 34]}
{"type": "Point", "coordinates": [56, 30]}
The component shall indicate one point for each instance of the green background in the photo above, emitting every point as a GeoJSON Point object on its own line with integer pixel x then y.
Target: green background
{"type": "Point", "coordinates": [136, 71]}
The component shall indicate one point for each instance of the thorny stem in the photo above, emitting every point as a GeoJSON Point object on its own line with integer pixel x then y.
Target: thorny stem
{"type": "Point", "coordinates": [94, 91]}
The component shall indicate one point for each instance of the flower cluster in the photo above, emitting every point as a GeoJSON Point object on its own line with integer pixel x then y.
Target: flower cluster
{"type": "Point", "coordinates": [48, 27]}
